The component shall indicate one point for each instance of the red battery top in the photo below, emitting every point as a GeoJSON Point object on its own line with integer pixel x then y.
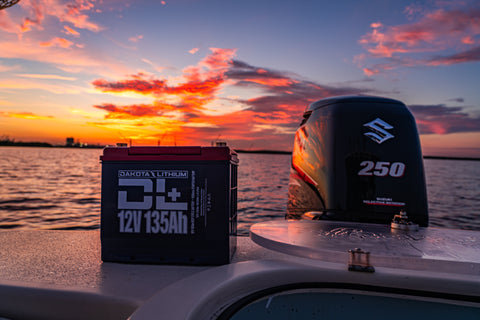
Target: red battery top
{"type": "Point", "coordinates": [164, 153]}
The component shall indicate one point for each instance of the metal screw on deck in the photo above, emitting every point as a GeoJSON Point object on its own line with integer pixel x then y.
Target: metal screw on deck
{"type": "Point", "coordinates": [359, 260]}
{"type": "Point", "coordinates": [401, 222]}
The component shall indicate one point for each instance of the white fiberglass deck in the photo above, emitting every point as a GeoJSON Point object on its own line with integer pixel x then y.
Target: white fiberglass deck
{"type": "Point", "coordinates": [431, 249]}
{"type": "Point", "coordinates": [59, 275]}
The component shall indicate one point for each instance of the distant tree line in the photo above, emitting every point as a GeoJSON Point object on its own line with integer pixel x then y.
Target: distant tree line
{"type": "Point", "coordinates": [6, 141]}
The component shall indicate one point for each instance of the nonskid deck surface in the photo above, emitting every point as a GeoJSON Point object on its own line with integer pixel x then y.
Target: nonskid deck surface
{"type": "Point", "coordinates": [59, 274]}
{"type": "Point", "coordinates": [41, 268]}
{"type": "Point", "coordinates": [431, 249]}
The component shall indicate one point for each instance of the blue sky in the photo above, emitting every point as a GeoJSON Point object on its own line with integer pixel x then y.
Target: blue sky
{"type": "Point", "coordinates": [189, 72]}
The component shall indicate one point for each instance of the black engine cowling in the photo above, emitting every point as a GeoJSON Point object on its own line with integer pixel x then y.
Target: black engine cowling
{"type": "Point", "coordinates": [357, 158]}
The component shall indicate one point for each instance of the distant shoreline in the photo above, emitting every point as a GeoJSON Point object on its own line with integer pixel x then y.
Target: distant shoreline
{"type": "Point", "coordinates": [48, 145]}
{"type": "Point", "coordinates": [451, 158]}
{"type": "Point", "coordinates": [424, 157]}
{"type": "Point", "coordinates": [263, 151]}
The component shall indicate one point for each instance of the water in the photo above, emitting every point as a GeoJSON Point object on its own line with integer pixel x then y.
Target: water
{"type": "Point", "coordinates": [453, 189]}
{"type": "Point", "coordinates": [49, 188]}
{"type": "Point", "coordinates": [56, 188]}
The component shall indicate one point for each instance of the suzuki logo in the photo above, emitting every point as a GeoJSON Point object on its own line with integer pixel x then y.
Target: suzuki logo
{"type": "Point", "coordinates": [379, 133]}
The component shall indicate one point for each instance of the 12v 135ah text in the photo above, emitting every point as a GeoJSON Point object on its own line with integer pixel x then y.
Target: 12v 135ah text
{"type": "Point", "coordinates": [163, 222]}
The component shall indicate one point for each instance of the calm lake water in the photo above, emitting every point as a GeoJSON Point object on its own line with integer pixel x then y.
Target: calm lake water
{"type": "Point", "coordinates": [56, 188]}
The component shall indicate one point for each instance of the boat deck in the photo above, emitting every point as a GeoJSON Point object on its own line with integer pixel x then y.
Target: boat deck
{"type": "Point", "coordinates": [59, 275]}
{"type": "Point", "coordinates": [38, 265]}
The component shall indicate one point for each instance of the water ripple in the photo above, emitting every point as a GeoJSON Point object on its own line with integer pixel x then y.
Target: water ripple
{"type": "Point", "coordinates": [59, 189]}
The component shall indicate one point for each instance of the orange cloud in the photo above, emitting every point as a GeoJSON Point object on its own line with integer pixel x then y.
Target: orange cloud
{"type": "Point", "coordinates": [45, 76]}
{"type": "Point", "coordinates": [468, 40]}
{"type": "Point", "coordinates": [60, 42]}
{"type": "Point", "coordinates": [144, 86]}
{"type": "Point", "coordinates": [462, 57]}
{"type": "Point", "coordinates": [219, 60]}
{"type": "Point", "coordinates": [370, 72]}
{"type": "Point", "coordinates": [34, 13]}
{"type": "Point", "coordinates": [440, 119]}
{"type": "Point", "coordinates": [266, 120]}
{"type": "Point", "coordinates": [73, 59]}
{"type": "Point", "coordinates": [431, 126]}
{"type": "Point", "coordinates": [71, 31]}
{"type": "Point", "coordinates": [37, 10]}
{"type": "Point", "coordinates": [193, 95]}
{"type": "Point", "coordinates": [136, 38]}
{"type": "Point", "coordinates": [24, 115]}
{"type": "Point", "coordinates": [436, 32]}
{"type": "Point", "coordinates": [52, 17]}
{"type": "Point", "coordinates": [28, 82]}
{"type": "Point", "coordinates": [272, 82]}
{"type": "Point", "coordinates": [135, 111]}
{"type": "Point", "coordinates": [197, 87]}
{"type": "Point", "coordinates": [73, 13]}
{"type": "Point", "coordinates": [183, 108]}
{"type": "Point", "coordinates": [6, 23]}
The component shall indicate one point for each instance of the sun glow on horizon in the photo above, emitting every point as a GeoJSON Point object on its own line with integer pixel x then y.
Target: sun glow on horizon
{"type": "Point", "coordinates": [105, 71]}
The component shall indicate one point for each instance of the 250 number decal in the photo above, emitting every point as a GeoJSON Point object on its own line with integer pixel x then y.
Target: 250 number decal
{"type": "Point", "coordinates": [382, 169]}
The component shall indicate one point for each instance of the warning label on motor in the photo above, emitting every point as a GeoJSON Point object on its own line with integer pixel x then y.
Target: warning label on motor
{"type": "Point", "coordinates": [382, 201]}
{"type": "Point", "coordinates": [162, 202]}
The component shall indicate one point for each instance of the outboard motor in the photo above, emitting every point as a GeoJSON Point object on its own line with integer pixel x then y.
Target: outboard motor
{"type": "Point", "coordinates": [357, 158]}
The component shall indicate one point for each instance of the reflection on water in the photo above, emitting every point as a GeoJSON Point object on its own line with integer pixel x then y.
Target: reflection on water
{"type": "Point", "coordinates": [453, 189]}
{"type": "Point", "coordinates": [49, 188]}
{"type": "Point", "coordinates": [262, 188]}
{"type": "Point", "coordinates": [57, 188]}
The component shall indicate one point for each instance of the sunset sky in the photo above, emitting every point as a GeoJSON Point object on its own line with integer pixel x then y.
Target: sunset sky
{"type": "Point", "coordinates": [189, 72]}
